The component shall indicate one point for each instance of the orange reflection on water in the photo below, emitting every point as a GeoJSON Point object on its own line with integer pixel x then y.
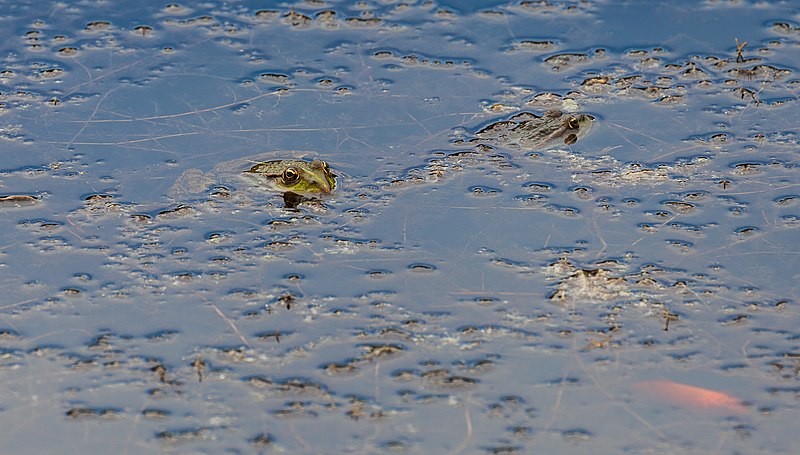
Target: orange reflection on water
{"type": "Point", "coordinates": [689, 396]}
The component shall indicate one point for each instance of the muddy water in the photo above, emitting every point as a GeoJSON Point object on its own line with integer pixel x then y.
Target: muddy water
{"type": "Point", "coordinates": [458, 293]}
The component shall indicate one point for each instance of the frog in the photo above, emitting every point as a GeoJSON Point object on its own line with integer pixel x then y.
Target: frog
{"type": "Point", "coordinates": [297, 176]}
{"type": "Point", "coordinates": [550, 130]}
{"type": "Point", "coordinates": [297, 179]}
{"type": "Point", "coordinates": [526, 130]}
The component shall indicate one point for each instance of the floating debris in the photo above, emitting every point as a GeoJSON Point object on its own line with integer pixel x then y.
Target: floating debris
{"type": "Point", "coordinates": [18, 200]}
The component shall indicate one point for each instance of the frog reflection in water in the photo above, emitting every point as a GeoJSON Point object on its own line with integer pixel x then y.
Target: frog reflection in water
{"type": "Point", "coordinates": [552, 129]}
{"type": "Point", "coordinates": [297, 179]}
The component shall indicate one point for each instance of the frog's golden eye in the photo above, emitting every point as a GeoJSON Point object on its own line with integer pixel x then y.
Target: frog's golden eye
{"type": "Point", "coordinates": [325, 166]}
{"type": "Point", "coordinates": [290, 175]}
{"type": "Point", "coordinates": [572, 123]}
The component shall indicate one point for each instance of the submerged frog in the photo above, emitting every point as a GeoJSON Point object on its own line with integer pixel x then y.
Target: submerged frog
{"type": "Point", "coordinates": [552, 129]}
{"type": "Point", "coordinates": [250, 177]}
{"type": "Point", "coordinates": [300, 177]}
{"type": "Point", "coordinates": [524, 130]}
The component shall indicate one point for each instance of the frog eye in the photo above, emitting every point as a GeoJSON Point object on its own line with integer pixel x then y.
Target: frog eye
{"type": "Point", "coordinates": [572, 123]}
{"type": "Point", "coordinates": [325, 166]}
{"type": "Point", "coordinates": [290, 175]}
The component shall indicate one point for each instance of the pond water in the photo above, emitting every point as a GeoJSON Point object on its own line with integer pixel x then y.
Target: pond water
{"type": "Point", "coordinates": [631, 291]}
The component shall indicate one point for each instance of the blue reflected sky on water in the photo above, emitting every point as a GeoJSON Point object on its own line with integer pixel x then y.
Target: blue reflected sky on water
{"type": "Point", "coordinates": [456, 294]}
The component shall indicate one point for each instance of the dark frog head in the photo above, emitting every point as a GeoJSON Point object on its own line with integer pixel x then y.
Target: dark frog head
{"type": "Point", "coordinates": [573, 127]}
{"type": "Point", "coordinates": [550, 130]}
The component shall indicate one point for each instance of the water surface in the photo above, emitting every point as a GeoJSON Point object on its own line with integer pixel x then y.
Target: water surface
{"type": "Point", "coordinates": [453, 295]}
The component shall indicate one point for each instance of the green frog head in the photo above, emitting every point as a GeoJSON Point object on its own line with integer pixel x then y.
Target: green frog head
{"type": "Point", "coordinates": [297, 176]}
